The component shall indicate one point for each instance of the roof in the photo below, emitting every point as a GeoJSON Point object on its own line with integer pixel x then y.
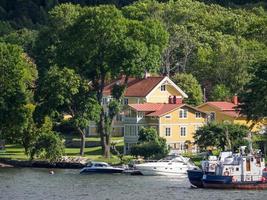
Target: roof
{"type": "Point", "coordinates": [225, 107]}
{"type": "Point", "coordinates": [158, 109]}
{"type": "Point", "coordinates": [136, 87]}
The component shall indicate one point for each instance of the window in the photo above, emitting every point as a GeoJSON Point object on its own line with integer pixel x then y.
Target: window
{"type": "Point", "coordinates": [140, 114]}
{"type": "Point", "coordinates": [168, 116]}
{"type": "Point", "coordinates": [198, 115]}
{"type": "Point", "coordinates": [163, 88]}
{"type": "Point", "coordinates": [105, 101]}
{"type": "Point", "coordinates": [183, 131]}
{"type": "Point", "coordinates": [212, 116]}
{"type": "Point", "coordinates": [183, 113]}
{"type": "Point", "coordinates": [168, 131]}
{"type": "Point", "coordinates": [125, 101]}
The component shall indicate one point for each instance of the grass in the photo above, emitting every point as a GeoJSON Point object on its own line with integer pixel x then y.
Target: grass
{"type": "Point", "coordinates": [93, 153]}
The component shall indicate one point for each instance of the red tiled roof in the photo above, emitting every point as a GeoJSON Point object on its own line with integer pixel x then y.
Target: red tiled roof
{"type": "Point", "coordinates": [155, 109]}
{"type": "Point", "coordinates": [227, 108]}
{"type": "Point", "coordinates": [136, 87]}
{"type": "Point", "coordinates": [147, 107]}
{"type": "Point", "coordinates": [165, 109]}
{"type": "Point", "coordinates": [222, 105]}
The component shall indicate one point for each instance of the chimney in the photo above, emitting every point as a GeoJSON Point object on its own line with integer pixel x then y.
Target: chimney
{"type": "Point", "coordinates": [174, 99]}
{"type": "Point", "coordinates": [179, 100]}
{"type": "Point", "coordinates": [170, 100]}
{"type": "Point", "coordinates": [147, 74]}
{"type": "Point", "coordinates": [235, 100]}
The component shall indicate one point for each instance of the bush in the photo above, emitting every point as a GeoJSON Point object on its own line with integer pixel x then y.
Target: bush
{"type": "Point", "coordinates": [47, 146]}
{"type": "Point", "coordinates": [150, 145]}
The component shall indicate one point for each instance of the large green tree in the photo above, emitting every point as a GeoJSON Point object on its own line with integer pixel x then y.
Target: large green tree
{"type": "Point", "coordinates": [17, 76]}
{"type": "Point", "coordinates": [254, 97]}
{"type": "Point", "coordinates": [108, 45]}
{"type": "Point", "coordinates": [224, 136]}
{"type": "Point", "coordinates": [63, 92]}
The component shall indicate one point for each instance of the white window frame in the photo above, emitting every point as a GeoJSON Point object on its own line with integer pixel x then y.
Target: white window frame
{"type": "Point", "coordinates": [198, 115]}
{"type": "Point", "coordinates": [183, 134]}
{"type": "Point", "coordinates": [169, 132]}
{"type": "Point", "coordinates": [163, 88]}
{"type": "Point", "coordinates": [182, 113]}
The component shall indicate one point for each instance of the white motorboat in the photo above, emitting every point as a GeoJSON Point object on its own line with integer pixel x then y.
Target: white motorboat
{"type": "Point", "coordinates": [170, 166]}
{"type": "Point", "coordinates": [100, 167]}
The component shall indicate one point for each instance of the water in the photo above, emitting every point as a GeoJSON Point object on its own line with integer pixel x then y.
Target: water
{"type": "Point", "coordinates": [35, 184]}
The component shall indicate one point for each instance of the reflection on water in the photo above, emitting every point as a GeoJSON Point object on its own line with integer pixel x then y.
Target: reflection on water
{"type": "Point", "coordinates": [69, 184]}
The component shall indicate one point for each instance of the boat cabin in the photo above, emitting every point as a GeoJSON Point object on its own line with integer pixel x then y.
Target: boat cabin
{"type": "Point", "coordinates": [242, 168]}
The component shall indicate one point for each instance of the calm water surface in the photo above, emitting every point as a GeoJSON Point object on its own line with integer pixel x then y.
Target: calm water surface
{"type": "Point", "coordinates": [28, 184]}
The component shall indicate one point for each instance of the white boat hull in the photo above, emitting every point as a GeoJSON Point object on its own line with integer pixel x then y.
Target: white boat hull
{"type": "Point", "coordinates": [149, 170]}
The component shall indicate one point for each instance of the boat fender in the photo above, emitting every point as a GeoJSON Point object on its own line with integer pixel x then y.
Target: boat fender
{"type": "Point", "coordinates": [234, 179]}
{"type": "Point", "coordinates": [226, 173]}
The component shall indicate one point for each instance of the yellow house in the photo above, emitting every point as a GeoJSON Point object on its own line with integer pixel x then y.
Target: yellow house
{"type": "Point", "coordinates": [222, 111]}
{"type": "Point", "coordinates": [154, 102]}
{"type": "Point", "coordinates": [175, 121]}
{"type": "Point", "coordinates": [139, 90]}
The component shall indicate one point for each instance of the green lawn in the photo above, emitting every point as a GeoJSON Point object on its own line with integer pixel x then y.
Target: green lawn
{"type": "Point", "coordinates": [93, 153]}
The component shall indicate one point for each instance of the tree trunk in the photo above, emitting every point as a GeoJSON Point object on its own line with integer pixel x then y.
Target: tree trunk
{"type": "Point", "coordinates": [107, 146]}
{"type": "Point", "coordinates": [82, 146]}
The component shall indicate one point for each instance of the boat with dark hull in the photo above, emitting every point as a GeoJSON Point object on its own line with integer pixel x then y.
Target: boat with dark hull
{"type": "Point", "coordinates": [100, 168]}
{"type": "Point", "coordinates": [207, 167]}
{"type": "Point", "coordinates": [238, 171]}
{"type": "Point", "coordinates": [227, 182]}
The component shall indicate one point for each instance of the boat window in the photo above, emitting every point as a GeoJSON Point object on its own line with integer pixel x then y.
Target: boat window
{"type": "Point", "coordinates": [248, 165]}
{"type": "Point", "coordinates": [251, 159]}
{"type": "Point", "coordinates": [258, 162]}
{"type": "Point", "coordinates": [89, 164]}
{"type": "Point", "coordinates": [237, 169]}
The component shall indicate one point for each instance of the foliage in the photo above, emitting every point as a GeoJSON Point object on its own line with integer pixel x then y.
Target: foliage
{"type": "Point", "coordinates": [223, 136]}
{"type": "Point", "coordinates": [22, 37]}
{"type": "Point", "coordinates": [189, 84]}
{"type": "Point", "coordinates": [106, 46]}
{"type": "Point", "coordinates": [150, 145]}
{"type": "Point", "coordinates": [17, 76]}
{"type": "Point", "coordinates": [48, 144]}
{"type": "Point", "coordinates": [220, 93]}
{"type": "Point", "coordinates": [62, 92]}
{"type": "Point", "coordinates": [254, 97]}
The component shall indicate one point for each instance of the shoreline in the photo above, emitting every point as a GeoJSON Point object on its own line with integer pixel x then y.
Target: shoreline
{"type": "Point", "coordinates": [9, 163]}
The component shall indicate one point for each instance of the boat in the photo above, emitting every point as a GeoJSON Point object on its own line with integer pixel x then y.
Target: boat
{"type": "Point", "coordinates": [100, 167]}
{"type": "Point", "coordinates": [207, 167]}
{"type": "Point", "coordinates": [239, 171]}
{"type": "Point", "coordinates": [172, 165]}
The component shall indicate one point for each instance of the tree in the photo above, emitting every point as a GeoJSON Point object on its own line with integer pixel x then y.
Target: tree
{"type": "Point", "coordinates": [223, 136]}
{"type": "Point", "coordinates": [62, 91]}
{"type": "Point", "coordinates": [189, 84]}
{"type": "Point", "coordinates": [17, 76]}
{"type": "Point", "coordinates": [220, 93]}
{"type": "Point", "coordinates": [254, 96]}
{"type": "Point", "coordinates": [108, 45]}
{"type": "Point", "coordinates": [48, 145]}
{"type": "Point", "coordinates": [150, 145]}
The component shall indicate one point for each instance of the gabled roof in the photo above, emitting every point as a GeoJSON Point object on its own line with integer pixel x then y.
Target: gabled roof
{"type": "Point", "coordinates": [227, 108]}
{"type": "Point", "coordinates": [158, 109]}
{"type": "Point", "coordinates": [140, 87]}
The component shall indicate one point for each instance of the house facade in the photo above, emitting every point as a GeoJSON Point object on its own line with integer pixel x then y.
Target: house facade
{"type": "Point", "coordinates": [174, 121]}
{"type": "Point", "coordinates": [155, 102]}
{"type": "Point", "coordinates": [222, 111]}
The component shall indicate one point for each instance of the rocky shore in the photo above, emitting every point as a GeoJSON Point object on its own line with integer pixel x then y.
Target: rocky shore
{"type": "Point", "coordinates": [65, 163]}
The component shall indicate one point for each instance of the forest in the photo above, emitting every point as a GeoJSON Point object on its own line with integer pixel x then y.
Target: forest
{"type": "Point", "coordinates": [51, 49]}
